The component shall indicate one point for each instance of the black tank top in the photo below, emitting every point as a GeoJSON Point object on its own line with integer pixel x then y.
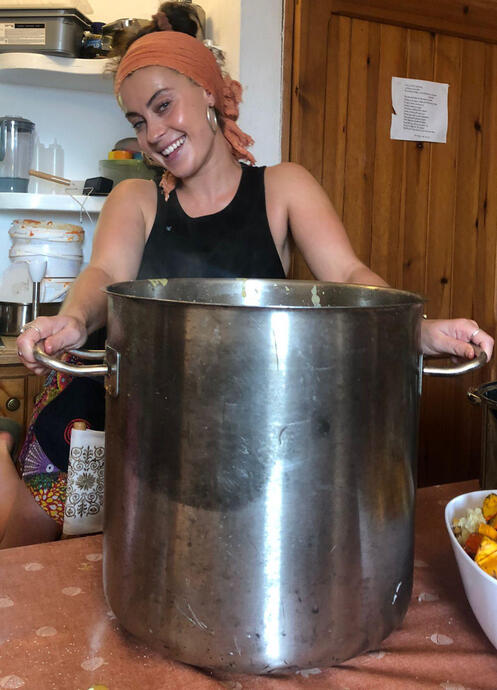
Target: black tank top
{"type": "Point", "coordinates": [233, 243]}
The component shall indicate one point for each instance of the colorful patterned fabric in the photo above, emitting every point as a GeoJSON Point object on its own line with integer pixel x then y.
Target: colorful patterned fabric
{"type": "Point", "coordinates": [49, 491]}
{"type": "Point", "coordinates": [43, 460]}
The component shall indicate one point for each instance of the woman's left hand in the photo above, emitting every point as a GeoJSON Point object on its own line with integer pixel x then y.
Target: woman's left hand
{"type": "Point", "coordinates": [454, 337]}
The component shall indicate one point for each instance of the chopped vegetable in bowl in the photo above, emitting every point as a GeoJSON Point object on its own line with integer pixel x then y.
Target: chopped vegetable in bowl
{"type": "Point", "coordinates": [479, 586]}
{"type": "Point", "coordinates": [477, 534]}
{"type": "Point", "coordinates": [468, 524]}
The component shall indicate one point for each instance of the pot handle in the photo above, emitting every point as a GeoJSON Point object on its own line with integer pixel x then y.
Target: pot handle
{"type": "Point", "coordinates": [109, 368]}
{"type": "Point", "coordinates": [462, 368]}
{"type": "Point", "coordinates": [73, 369]}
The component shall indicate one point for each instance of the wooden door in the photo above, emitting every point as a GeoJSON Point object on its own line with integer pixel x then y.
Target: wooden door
{"type": "Point", "coordinates": [422, 215]}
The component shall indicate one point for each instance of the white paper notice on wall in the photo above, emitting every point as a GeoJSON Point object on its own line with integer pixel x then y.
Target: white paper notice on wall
{"type": "Point", "coordinates": [420, 110]}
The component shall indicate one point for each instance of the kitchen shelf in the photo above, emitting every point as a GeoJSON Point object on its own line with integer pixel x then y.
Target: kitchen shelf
{"type": "Point", "coordinates": [12, 201]}
{"type": "Point", "coordinates": [35, 69]}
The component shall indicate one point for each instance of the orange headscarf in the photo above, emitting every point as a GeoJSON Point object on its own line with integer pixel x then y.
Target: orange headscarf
{"type": "Point", "coordinates": [190, 57]}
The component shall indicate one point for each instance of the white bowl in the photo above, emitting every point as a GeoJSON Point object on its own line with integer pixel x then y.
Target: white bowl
{"type": "Point", "coordinates": [480, 588]}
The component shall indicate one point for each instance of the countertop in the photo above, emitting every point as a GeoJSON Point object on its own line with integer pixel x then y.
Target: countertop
{"type": "Point", "coordinates": [57, 632]}
{"type": "Point", "coordinates": [8, 353]}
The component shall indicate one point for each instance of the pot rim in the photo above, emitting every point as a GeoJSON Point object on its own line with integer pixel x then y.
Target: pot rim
{"type": "Point", "coordinates": [405, 297]}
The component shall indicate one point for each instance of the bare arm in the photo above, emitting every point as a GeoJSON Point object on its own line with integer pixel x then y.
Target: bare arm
{"type": "Point", "coordinates": [295, 198]}
{"type": "Point", "coordinates": [116, 254]}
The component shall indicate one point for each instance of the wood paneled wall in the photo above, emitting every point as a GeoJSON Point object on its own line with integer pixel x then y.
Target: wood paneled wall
{"type": "Point", "coordinates": [422, 215]}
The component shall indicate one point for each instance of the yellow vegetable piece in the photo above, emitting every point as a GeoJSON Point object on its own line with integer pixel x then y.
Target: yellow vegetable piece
{"type": "Point", "coordinates": [486, 556]}
{"type": "Point", "coordinates": [489, 507]}
{"type": "Point", "coordinates": [488, 531]}
{"type": "Point", "coordinates": [120, 155]}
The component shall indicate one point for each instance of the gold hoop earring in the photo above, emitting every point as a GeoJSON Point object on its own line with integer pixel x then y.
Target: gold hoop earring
{"type": "Point", "coordinates": [212, 119]}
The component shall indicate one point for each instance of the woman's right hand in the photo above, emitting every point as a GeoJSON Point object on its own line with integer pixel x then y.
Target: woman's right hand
{"type": "Point", "coordinates": [60, 333]}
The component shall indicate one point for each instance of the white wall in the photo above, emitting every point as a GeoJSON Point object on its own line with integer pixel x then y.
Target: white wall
{"type": "Point", "coordinates": [261, 76]}
{"type": "Point", "coordinates": [109, 10]}
{"type": "Point", "coordinates": [223, 27]}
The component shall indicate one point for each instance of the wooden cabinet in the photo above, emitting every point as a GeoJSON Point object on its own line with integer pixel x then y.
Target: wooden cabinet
{"type": "Point", "coordinates": [18, 387]}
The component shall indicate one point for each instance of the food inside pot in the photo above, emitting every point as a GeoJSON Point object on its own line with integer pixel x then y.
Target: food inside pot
{"type": "Point", "coordinates": [477, 534]}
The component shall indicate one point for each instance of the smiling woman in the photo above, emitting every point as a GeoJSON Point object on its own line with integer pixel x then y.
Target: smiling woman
{"type": "Point", "coordinates": [181, 77]}
{"type": "Point", "coordinates": [212, 214]}
{"type": "Point", "coordinates": [168, 113]}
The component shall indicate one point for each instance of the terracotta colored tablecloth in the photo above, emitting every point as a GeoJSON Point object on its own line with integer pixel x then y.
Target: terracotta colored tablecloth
{"type": "Point", "coordinates": [57, 633]}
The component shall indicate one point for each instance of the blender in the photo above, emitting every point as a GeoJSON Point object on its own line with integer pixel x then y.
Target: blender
{"type": "Point", "coordinates": [16, 152]}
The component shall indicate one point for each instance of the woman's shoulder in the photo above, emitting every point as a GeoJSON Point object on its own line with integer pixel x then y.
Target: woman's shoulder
{"type": "Point", "coordinates": [288, 177]}
{"type": "Point", "coordinates": [132, 200]}
{"type": "Point", "coordinates": [135, 189]}
{"type": "Point", "coordinates": [134, 193]}
{"type": "Point", "coordinates": [288, 172]}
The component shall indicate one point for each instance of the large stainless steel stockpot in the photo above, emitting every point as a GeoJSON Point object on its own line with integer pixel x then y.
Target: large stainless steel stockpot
{"type": "Point", "coordinates": [260, 467]}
